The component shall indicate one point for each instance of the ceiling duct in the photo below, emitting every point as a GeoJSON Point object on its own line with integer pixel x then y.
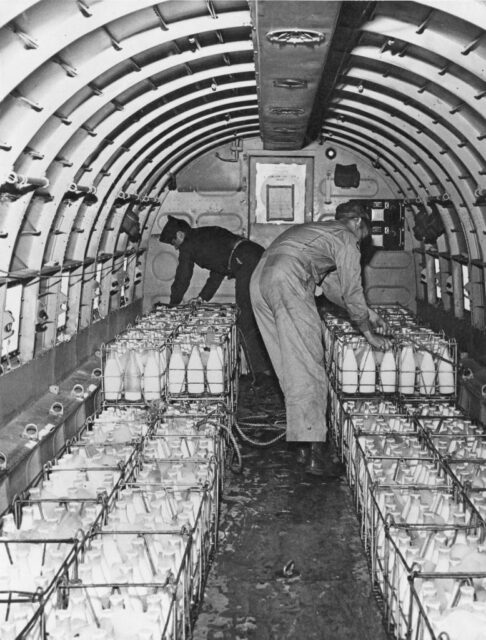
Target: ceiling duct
{"type": "Point", "coordinates": [291, 42]}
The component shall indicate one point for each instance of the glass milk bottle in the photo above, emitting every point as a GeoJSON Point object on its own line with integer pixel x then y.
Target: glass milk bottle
{"type": "Point", "coordinates": [112, 375]}
{"type": "Point", "coordinates": [195, 372]}
{"type": "Point", "coordinates": [406, 370]}
{"type": "Point", "coordinates": [151, 376]}
{"type": "Point", "coordinates": [388, 372]}
{"type": "Point", "coordinates": [177, 371]}
{"type": "Point", "coordinates": [214, 371]}
{"type": "Point", "coordinates": [349, 370]}
{"type": "Point", "coordinates": [445, 370]}
{"type": "Point", "coordinates": [163, 367]}
{"type": "Point", "coordinates": [426, 373]}
{"type": "Point", "coordinates": [133, 379]}
{"type": "Point", "coordinates": [367, 370]}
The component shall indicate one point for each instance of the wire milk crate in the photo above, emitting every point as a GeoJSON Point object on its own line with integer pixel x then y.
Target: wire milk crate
{"type": "Point", "coordinates": [433, 408]}
{"type": "Point", "coordinates": [133, 372]}
{"type": "Point", "coordinates": [364, 415]}
{"type": "Point", "coordinates": [410, 505]}
{"type": "Point", "coordinates": [196, 448]}
{"type": "Point", "coordinates": [198, 371]}
{"type": "Point", "coordinates": [172, 509]}
{"type": "Point", "coordinates": [193, 416]}
{"type": "Point", "coordinates": [69, 495]}
{"type": "Point", "coordinates": [29, 572]}
{"type": "Point", "coordinates": [401, 459]}
{"type": "Point", "coordinates": [434, 617]}
{"type": "Point", "coordinates": [419, 365]}
{"type": "Point", "coordinates": [427, 365]}
{"type": "Point", "coordinates": [117, 425]}
{"type": "Point", "coordinates": [396, 315]}
{"type": "Point", "coordinates": [126, 583]}
{"type": "Point", "coordinates": [430, 564]}
{"type": "Point", "coordinates": [358, 370]}
{"type": "Point", "coordinates": [184, 474]}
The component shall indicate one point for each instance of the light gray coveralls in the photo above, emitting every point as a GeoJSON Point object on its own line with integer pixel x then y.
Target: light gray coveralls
{"type": "Point", "coordinates": [282, 293]}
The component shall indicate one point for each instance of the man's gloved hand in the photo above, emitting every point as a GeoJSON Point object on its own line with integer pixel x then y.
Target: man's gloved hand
{"type": "Point", "coordinates": [379, 325]}
{"type": "Point", "coordinates": [378, 342]}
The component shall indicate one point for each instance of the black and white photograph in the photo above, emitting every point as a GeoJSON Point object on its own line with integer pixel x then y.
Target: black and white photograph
{"type": "Point", "coordinates": [243, 313]}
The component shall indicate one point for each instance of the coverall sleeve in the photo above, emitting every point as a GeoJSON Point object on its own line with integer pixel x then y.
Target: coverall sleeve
{"type": "Point", "coordinates": [211, 286]}
{"type": "Point", "coordinates": [182, 280]}
{"type": "Point", "coordinates": [348, 270]}
{"type": "Point", "coordinates": [331, 288]}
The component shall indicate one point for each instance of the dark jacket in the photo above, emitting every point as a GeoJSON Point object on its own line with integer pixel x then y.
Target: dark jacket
{"type": "Point", "coordinates": [209, 248]}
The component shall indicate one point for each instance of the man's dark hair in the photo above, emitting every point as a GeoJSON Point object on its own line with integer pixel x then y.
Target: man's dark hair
{"type": "Point", "coordinates": [350, 209]}
{"type": "Point", "coordinates": [173, 225]}
{"type": "Point", "coordinates": [365, 226]}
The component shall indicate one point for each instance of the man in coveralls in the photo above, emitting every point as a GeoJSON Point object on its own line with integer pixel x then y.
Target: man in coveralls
{"type": "Point", "coordinates": [282, 293]}
{"type": "Point", "coordinates": [224, 254]}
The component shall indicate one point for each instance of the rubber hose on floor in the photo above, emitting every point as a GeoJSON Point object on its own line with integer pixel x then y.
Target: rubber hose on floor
{"type": "Point", "coordinates": [238, 468]}
{"type": "Point", "coordinates": [269, 422]}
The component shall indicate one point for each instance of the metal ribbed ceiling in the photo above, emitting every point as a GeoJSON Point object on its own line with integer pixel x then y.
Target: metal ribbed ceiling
{"type": "Point", "coordinates": [111, 97]}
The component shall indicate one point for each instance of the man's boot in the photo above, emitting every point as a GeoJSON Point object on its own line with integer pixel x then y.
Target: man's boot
{"type": "Point", "coordinates": [316, 466]}
{"type": "Point", "coordinates": [323, 461]}
{"type": "Point", "coordinates": [302, 453]}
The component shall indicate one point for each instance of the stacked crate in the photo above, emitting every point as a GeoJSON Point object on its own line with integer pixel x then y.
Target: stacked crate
{"type": "Point", "coordinates": [417, 468]}
{"type": "Point", "coordinates": [114, 538]}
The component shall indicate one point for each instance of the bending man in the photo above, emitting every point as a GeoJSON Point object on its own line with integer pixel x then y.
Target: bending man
{"type": "Point", "coordinates": [282, 293]}
{"type": "Point", "coordinates": [224, 254]}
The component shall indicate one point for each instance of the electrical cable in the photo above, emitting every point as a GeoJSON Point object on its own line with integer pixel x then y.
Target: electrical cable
{"type": "Point", "coordinates": [253, 421]}
{"type": "Point", "coordinates": [256, 443]}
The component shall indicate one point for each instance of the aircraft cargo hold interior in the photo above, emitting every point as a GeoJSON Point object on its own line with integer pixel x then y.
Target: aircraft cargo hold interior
{"type": "Point", "coordinates": [243, 311]}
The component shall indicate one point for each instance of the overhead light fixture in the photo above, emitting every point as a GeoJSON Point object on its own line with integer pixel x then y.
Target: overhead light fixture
{"type": "Point", "coordinates": [331, 153]}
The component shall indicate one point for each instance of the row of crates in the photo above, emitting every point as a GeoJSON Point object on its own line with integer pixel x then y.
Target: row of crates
{"type": "Point", "coordinates": [421, 363]}
{"type": "Point", "coordinates": [114, 537]}
{"type": "Point", "coordinates": [416, 465]}
{"type": "Point", "coordinates": [174, 353]}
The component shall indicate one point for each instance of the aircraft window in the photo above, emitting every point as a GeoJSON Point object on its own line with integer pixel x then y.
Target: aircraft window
{"type": "Point", "coordinates": [438, 291]}
{"type": "Point", "coordinates": [124, 283]}
{"type": "Point", "coordinates": [11, 317]}
{"type": "Point", "coordinates": [466, 287]}
{"type": "Point", "coordinates": [97, 293]}
{"type": "Point", "coordinates": [62, 306]}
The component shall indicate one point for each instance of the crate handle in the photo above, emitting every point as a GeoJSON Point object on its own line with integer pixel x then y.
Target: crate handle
{"type": "Point", "coordinates": [56, 409]}
{"type": "Point", "coordinates": [77, 391]}
{"type": "Point", "coordinates": [30, 432]}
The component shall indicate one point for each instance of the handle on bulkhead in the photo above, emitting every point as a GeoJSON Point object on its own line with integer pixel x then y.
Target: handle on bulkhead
{"type": "Point", "coordinates": [78, 391]}
{"type": "Point", "coordinates": [3, 461]}
{"type": "Point", "coordinates": [57, 409]}
{"type": "Point", "coordinates": [31, 431]}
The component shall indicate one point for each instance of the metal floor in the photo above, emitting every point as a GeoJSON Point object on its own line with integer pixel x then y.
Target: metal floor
{"type": "Point", "coordinates": [274, 515]}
